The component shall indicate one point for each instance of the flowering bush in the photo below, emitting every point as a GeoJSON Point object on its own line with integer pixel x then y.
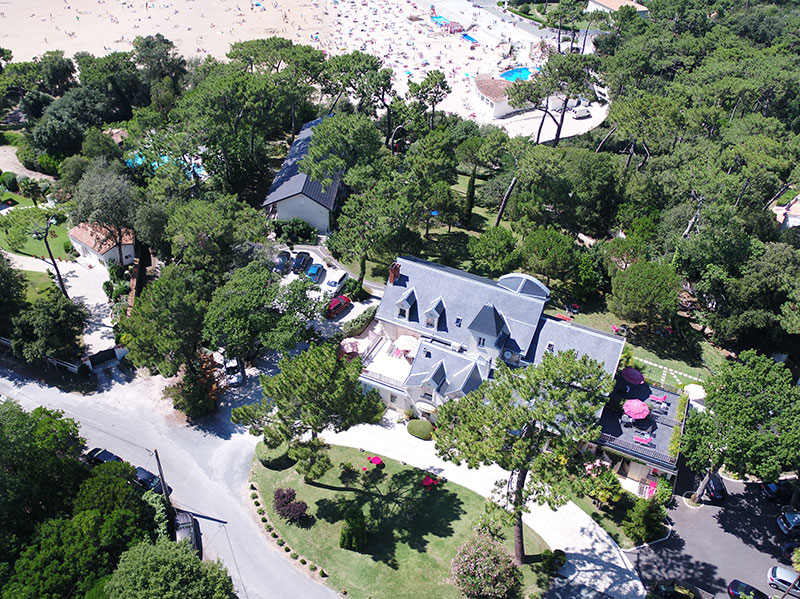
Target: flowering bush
{"type": "Point", "coordinates": [483, 570]}
{"type": "Point", "coordinates": [286, 507]}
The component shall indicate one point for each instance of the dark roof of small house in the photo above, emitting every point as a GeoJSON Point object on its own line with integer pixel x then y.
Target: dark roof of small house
{"type": "Point", "coordinates": [290, 181]}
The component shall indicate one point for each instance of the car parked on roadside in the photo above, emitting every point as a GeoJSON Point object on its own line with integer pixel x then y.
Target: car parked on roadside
{"type": "Point", "coordinates": [99, 456]}
{"type": "Point", "coordinates": [337, 305]}
{"type": "Point", "coordinates": [187, 528]}
{"type": "Point", "coordinates": [789, 523]}
{"type": "Point", "coordinates": [316, 272]}
{"type": "Point", "coordinates": [282, 262]}
{"type": "Point", "coordinates": [676, 589]}
{"type": "Point", "coordinates": [716, 490]}
{"type": "Point", "coordinates": [301, 262]}
{"type": "Point", "coordinates": [780, 491]}
{"type": "Point", "coordinates": [150, 482]}
{"type": "Point", "coordinates": [741, 590]}
{"type": "Point", "coordinates": [787, 550]}
{"type": "Point", "coordinates": [782, 578]}
{"type": "Point", "coordinates": [335, 282]}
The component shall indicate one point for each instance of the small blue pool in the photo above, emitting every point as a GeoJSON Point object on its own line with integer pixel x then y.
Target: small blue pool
{"type": "Point", "coordinates": [440, 20]}
{"type": "Point", "coordinates": [523, 73]}
{"type": "Point", "coordinates": [469, 38]}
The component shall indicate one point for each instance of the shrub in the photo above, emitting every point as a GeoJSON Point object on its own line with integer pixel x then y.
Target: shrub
{"type": "Point", "coordinates": [257, 502]}
{"type": "Point", "coordinates": [663, 492]}
{"type": "Point", "coordinates": [47, 164]}
{"type": "Point", "coordinates": [263, 518]}
{"type": "Point", "coordinates": [355, 327]}
{"type": "Point", "coordinates": [273, 534]}
{"type": "Point", "coordinates": [253, 495]}
{"type": "Point", "coordinates": [108, 289]}
{"type": "Point", "coordinates": [353, 535]}
{"type": "Point", "coordinates": [644, 520]}
{"type": "Point", "coordinates": [286, 507]}
{"type": "Point", "coordinates": [353, 290]}
{"type": "Point", "coordinates": [68, 249]}
{"type": "Point", "coordinates": [294, 555]}
{"type": "Point", "coordinates": [323, 573]}
{"type": "Point", "coordinates": [268, 527]}
{"type": "Point", "coordinates": [280, 542]}
{"type": "Point", "coordinates": [410, 414]}
{"type": "Point", "coordinates": [303, 561]}
{"type": "Point", "coordinates": [421, 429]}
{"type": "Point", "coordinates": [252, 486]}
{"type": "Point", "coordinates": [483, 570]}
{"type": "Point", "coordinates": [272, 457]}
{"type": "Point", "coordinates": [287, 549]}
{"type": "Point", "coordinates": [294, 230]}
{"type": "Point", "coordinates": [312, 567]}
{"type": "Point", "coordinates": [26, 155]}
{"type": "Point", "coordinates": [9, 180]}
{"type": "Point", "coordinates": [553, 561]}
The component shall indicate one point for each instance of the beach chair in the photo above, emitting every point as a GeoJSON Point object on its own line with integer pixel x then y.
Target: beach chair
{"type": "Point", "coordinates": [561, 316]}
{"type": "Point", "coordinates": [642, 440]}
{"type": "Point", "coordinates": [616, 330]}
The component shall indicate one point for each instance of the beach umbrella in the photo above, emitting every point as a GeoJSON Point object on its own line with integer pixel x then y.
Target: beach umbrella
{"type": "Point", "coordinates": [695, 391]}
{"type": "Point", "coordinates": [636, 409]}
{"type": "Point", "coordinates": [632, 376]}
{"type": "Point", "coordinates": [406, 343]}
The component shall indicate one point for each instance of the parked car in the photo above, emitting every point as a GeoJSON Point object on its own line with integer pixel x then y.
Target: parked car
{"type": "Point", "coordinates": [187, 528]}
{"type": "Point", "coordinates": [781, 579]}
{"type": "Point", "coordinates": [741, 590]}
{"type": "Point", "coordinates": [337, 305]}
{"type": "Point", "coordinates": [716, 488]}
{"type": "Point", "coordinates": [233, 374]}
{"type": "Point", "coordinates": [149, 481]}
{"type": "Point", "coordinates": [676, 589]}
{"type": "Point", "coordinates": [787, 550]}
{"type": "Point", "coordinates": [282, 262]}
{"type": "Point", "coordinates": [581, 113]}
{"type": "Point", "coordinates": [301, 262]}
{"type": "Point", "coordinates": [99, 456]}
{"type": "Point", "coordinates": [316, 272]}
{"type": "Point", "coordinates": [335, 282]}
{"type": "Point", "coordinates": [779, 491]}
{"type": "Point", "coordinates": [789, 523]}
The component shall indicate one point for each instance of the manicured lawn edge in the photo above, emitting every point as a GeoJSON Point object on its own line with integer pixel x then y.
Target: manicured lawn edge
{"type": "Point", "coordinates": [401, 571]}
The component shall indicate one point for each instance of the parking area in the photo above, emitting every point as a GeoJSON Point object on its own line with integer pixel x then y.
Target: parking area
{"type": "Point", "coordinates": [711, 545]}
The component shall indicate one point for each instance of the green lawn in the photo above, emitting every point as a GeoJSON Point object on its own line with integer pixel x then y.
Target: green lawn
{"type": "Point", "coordinates": [35, 247]}
{"type": "Point", "coordinates": [38, 282]}
{"type": "Point", "coordinates": [409, 555]}
{"type": "Point", "coordinates": [14, 199]}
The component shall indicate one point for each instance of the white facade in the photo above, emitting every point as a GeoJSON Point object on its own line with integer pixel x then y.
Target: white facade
{"type": "Point", "coordinates": [111, 255]}
{"type": "Point", "coordinates": [301, 206]}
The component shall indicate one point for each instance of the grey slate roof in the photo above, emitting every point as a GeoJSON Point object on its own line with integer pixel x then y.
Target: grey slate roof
{"type": "Point", "coordinates": [512, 307]}
{"type": "Point", "coordinates": [290, 181]}
{"type": "Point", "coordinates": [449, 372]}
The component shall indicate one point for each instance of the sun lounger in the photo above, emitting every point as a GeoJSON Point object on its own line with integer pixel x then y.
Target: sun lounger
{"type": "Point", "coordinates": [642, 440]}
{"type": "Point", "coordinates": [561, 316]}
{"type": "Point", "coordinates": [659, 399]}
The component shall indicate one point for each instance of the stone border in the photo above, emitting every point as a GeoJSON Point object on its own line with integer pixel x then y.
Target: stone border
{"type": "Point", "coordinates": [686, 501]}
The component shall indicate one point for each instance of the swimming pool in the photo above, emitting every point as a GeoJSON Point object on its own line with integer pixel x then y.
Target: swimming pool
{"type": "Point", "coordinates": [469, 38]}
{"type": "Point", "coordinates": [440, 20]}
{"type": "Point", "coordinates": [523, 73]}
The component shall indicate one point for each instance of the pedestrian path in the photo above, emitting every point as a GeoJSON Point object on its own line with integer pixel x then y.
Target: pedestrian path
{"type": "Point", "coordinates": [669, 371]}
{"type": "Point", "coordinates": [594, 559]}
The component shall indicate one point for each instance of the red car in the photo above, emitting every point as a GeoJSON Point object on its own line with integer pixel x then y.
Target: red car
{"type": "Point", "coordinates": [337, 306]}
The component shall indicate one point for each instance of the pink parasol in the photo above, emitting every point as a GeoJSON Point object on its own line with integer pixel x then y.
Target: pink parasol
{"type": "Point", "coordinates": [427, 481]}
{"type": "Point", "coordinates": [636, 409]}
{"type": "Point", "coordinates": [632, 376]}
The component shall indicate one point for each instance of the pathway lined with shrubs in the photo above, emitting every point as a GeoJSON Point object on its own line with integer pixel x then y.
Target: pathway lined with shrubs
{"type": "Point", "coordinates": [594, 559]}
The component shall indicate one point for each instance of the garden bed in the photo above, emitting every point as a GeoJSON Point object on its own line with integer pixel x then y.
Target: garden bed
{"type": "Point", "coordinates": [409, 550]}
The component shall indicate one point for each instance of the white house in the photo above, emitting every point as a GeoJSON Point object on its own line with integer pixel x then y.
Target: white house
{"type": "Point", "coordinates": [493, 92]}
{"type": "Point", "coordinates": [788, 216]}
{"type": "Point", "coordinates": [615, 5]}
{"type": "Point", "coordinates": [294, 195]}
{"type": "Point", "coordinates": [93, 242]}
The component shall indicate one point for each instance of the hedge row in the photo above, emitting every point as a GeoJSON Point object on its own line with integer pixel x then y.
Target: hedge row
{"type": "Point", "coordinates": [356, 326]}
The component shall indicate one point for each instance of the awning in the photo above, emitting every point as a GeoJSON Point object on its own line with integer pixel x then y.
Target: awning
{"type": "Point", "coordinates": [424, 406]}
{"type": "Point", "coordinates": [695, 391]}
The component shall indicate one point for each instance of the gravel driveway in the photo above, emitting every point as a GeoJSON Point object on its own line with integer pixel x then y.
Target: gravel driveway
{"type": "Point", "coordinates": [9, 162]}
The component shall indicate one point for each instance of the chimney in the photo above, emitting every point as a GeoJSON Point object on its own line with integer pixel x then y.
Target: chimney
{"type": "Point", "coordinates": [394, 272]}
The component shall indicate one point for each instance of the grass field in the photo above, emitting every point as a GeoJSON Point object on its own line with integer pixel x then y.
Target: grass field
{"type": "Point", "coordinates": [38, 283]}
{"type": "Point", "coordinates": [36, 247]}
{"type": "Point", "coordinates": [409, 554]}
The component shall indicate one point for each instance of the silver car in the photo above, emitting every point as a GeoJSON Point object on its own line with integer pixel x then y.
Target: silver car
{"type": "Point", "coordinates": [187, 528]}
{"type": "Point", "coordinates": [781, 579]}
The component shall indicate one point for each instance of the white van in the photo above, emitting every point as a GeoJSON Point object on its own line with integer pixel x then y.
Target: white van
{"type": "Point", "coordinates": [335, 281]}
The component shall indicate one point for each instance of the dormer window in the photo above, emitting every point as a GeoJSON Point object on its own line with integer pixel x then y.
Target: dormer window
{"type": "Point", "coordinates": [481, 341]}
{"type": "Point", "coordinates": [402, 313]}
{"type": "Point", "coordinates": [430, 322]}
{"type": "Point", "coordinates": [458, 322]}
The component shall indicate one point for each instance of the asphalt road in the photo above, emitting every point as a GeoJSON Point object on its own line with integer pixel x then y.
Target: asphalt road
{"type": "Point", "coordinates": [207, 466]}
{"type": "Point", "coordinates": [712, 545]}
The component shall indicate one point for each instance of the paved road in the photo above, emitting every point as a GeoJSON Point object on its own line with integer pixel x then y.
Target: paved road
{"type": "Point", "coordinates": [206, 465]}
{"type": "Point", "coordinates": [710, 546]}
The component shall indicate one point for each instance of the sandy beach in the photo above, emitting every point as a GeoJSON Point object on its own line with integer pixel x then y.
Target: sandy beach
{"type": "Point", "coordinates": [399, 32]}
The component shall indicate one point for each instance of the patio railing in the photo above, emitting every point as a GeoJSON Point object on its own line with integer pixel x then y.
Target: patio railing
{"type": "Point", "coordinates": [636, 449]}
{"type": "Point", "coordinates": [382, 378]}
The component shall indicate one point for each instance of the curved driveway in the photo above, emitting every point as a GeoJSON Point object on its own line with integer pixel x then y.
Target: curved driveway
{"type": "Point", "coordinates": [206, 465]}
